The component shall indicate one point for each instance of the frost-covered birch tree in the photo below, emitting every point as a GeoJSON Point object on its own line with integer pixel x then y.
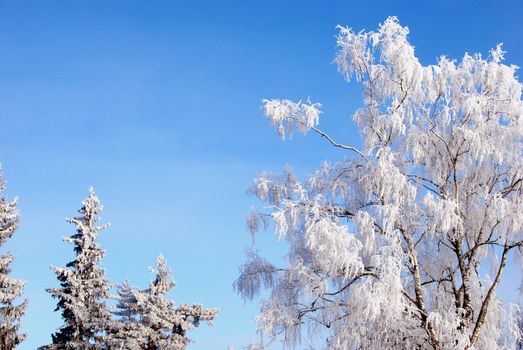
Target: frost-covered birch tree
{"type": "Point", "coordinates": [149, 320]}
{"type": "Point", "coordinates": [403, 242]}
{"type": "Point", "coordinates": [10, 288]}
{"type": "Point", "coordinates": [83, 286]}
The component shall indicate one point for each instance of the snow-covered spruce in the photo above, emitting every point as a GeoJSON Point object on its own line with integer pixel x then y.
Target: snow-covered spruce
{"type": "Point", "coordinates": [403, 245]}
{"type": "Point", "coordinates": [127, 332]}
{"type": "Point", "coordinates": [83, 286]}
{"type": "Point", "coordinates": [148, 320]}
{"type": "Point", "coordinates": [10, 288]}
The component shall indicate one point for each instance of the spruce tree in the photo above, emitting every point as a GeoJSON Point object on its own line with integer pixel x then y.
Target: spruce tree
{"type": "Point", "coordinates": [167, 324]}
{"type": "Point", "coordinates": [126, 308]}
{"type": "Point", "coordinates": [83, 285]}
{"type": "Point", "coordinates": [10, 288]}
{"type": "Point", "coordinates": [160, 324]}
{"type": "Point", "coordinates": [127, 331]}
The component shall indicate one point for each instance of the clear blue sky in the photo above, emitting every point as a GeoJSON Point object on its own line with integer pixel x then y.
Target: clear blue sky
{"type": "Point", "coordinates": [157, 105]}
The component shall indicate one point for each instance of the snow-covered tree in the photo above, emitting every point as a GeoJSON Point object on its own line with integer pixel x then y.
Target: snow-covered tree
{"type": "Point", "coordinates": [126, 308]}
{"type": "Point", "coordinates": [160, 324]}
{"type": "Point", "coordinates": [402, 243]}
{"type": "Point", "coordinates": [83, 285]}
{"type": "Point", "coordinates": [10, 288]}
{"type": "Point", "coordinates": [127, 332]}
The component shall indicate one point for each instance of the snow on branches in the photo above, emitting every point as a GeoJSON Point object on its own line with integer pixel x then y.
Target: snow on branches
{"type": "Point", "coordinates": [148, 320]}
{"type": "Point", "coordinates": [83, 286]}
{"type": "Point", "coordinates": [287, 115]}
{"type": "Point", "coordinates": [145, 319]}
{"type": "Point", "coordinates": [10, 288]}
{"type": "Point", "coordinates": [390, 249]}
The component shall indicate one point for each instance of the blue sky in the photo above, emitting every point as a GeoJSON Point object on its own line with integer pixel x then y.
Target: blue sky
{"type": "Point", "coordinates": [157, 105]}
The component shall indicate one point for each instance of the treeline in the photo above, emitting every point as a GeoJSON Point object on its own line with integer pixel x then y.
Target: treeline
{"type": "Point", "coordinates": [141, 319]}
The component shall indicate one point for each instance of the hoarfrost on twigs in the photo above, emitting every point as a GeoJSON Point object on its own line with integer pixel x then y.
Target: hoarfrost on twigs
{"type": "Point", "coordinates": [84, 288]}
{"type": "Point", "coordinates": [10, 288]}
{"type": "Point", "coordinates": [387, 249]}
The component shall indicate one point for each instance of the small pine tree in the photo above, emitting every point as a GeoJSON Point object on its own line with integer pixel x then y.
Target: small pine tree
{"type": "Point", "coordinates": [161, 325]}
{"type": "Point", "coordinates": [84, 287]}
{"type": "Point", "coordinates": [10, 288]}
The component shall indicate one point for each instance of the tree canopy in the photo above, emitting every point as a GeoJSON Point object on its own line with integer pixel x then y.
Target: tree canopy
{"type": "Point", "coordinates": [402, 243]}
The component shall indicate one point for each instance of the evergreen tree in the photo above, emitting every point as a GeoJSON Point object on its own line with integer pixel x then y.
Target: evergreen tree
{"type": "Point", "coordinates": [83, 285]}
{"type": "Point", "coordinates": [10, 288]}
{"type": "Point", "coordinates": [167, 324]}
{"type": "Point", "coordinates": [126, 308]}
{"type": "Point", "coordinates": [161, 325]}
{"type": "Point", "coordinates": [127, 332]}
